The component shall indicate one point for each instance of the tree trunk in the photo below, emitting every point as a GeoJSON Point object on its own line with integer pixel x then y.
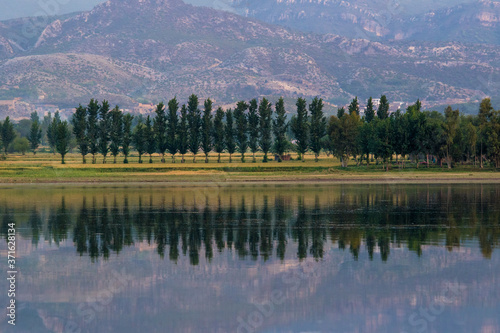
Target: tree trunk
{"type": "Point", "coordinates": [194, 158]}
{"type": "Point", "coordinates": [150, 158]}
{"type": "Point", "coordinates": [230, 158]}
{"type": "Point", "coordinates": [265, 157]}
{"type": "Point", "coordinates": [84, 161]}
{"type": "Point", "coordinates": [62, 159]}
{"type": "Point", "coordinates": [114, 159]}
{"type": "Point", "coordinates": [173, 158]}
{"type": "Point", "coordinates": [163, 158]}
{"type": "Point", "coordinates": [104, 159]}
{"type": "Point", "coordinates": [243, 157]}
{"type": "Point", "coordinates": [93, 159]}
{"type": "Point", "coordinates": [481, 156]}
{"type": "Point", "coordinates": [218, 158]}
{"type": "Point", "coordinates": [254, 160]}
{"type": "Point", "coordinates": [316, 157]}
{"type": "Point", "coordinates": [182, 160]}
{"type": "Point", "coordinates": [125, 160]}
{"type": "Point", "coordinates": [427, 161]}
{"type": "Point", "coordinates": [206, 158]}
{"type": "Point", "coordinates": [140, 158]}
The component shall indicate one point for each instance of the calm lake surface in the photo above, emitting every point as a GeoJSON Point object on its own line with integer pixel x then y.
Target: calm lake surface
{"type": "Point", "coordinates": [332, 258]}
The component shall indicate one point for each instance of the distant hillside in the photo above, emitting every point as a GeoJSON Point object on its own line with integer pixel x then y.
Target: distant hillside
{"type": "Point", "coordinates": [151, 50]}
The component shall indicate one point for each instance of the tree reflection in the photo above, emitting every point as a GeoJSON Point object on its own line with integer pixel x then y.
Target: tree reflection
{"type": "Point", "coordinates": [258, 226]}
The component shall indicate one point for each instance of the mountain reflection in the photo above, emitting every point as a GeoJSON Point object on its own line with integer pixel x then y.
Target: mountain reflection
{"type": "Point", "coordinates": [259, 224]}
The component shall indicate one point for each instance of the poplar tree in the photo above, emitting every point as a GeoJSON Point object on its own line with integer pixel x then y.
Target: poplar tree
{"type": "Point", "coordinates": [172, 121]}
{"type": "Point", "coordinates": [218, 132]}
{"type": "Point", "coordinates": [35, 135]}
{"type": "Point", "coordinates": [139, 138]}
{"type": "Point", "coordinates": [206, 129]}
{"type": "Point", "coordinates": [383, 108]}
{"type": "Point", "coordinates": [183, 133]}
{"type": "Point", "coordinates": [92, 128]}
{"type": "Point", "coordinates": [369, 112]}
{"type": "Point", "coordinates": [265, 114]}
{"type": "Point", "coordinates": [279, 129]}
{"type": "Point", "coordinates": [63, 138]}
{"type": "Point", "coordinates": [354, 106]}
{"type": "Point", "coordinates": [8, 134]}
{"type": "Point", "coordinates": [104, 129]}
{"type": "Point", "coordinates": [229, 134]}
{"type": "Point", "coordinates": [127, 136]}
{"type": "Point", "coordinates": [450, 130]}
{"type": "Point", "coordinates": [80, 126]}
{"type": "Point", "coordinates": [318, 124]}
{"type": "Point", "coordinates": [194, 123]}
{"type": "Point", "coordinates": [116, 133]}
{"type": "Point", "coordinates": [149, 137]}
{"type": "Point", "coordinates": [52, 131]}
{"type": "Point", "coordinates": [300, 128]}
{"type": "Point", "coordinates": [253, 127]}
{"type": "Point", "coordinates": [160, 130]}
{"type": "Point", "coordinates": [241, 128]}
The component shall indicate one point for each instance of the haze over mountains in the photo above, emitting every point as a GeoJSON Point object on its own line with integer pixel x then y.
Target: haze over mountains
{"type": "Point", "coordinates": [151, 50]}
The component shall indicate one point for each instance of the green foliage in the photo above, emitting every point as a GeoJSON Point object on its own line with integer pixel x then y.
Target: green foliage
{"type": "Point", "coordinates": [140, 139]}
{"type": "Point", "coordinates": [127, 135]}
{"type": "Point", "coordinates": [194, 124]}
{"type": "Point", "coordinates": [80, 127]}
{"type": "Point", "coordinates": [383, 108]}
{"type": "Point", "coordinates": [149, 137]}
{"type": "Point", "coordinates": [62, 137]}
{"type": "Point", "coordinates": [206, 129]}
{"type": "Point", "coordinates": [104, 130]}
{"type": "Point", "coordinates": [218, 132]}
{"type": "Point", "coordinates": [241, 128]}
{"type": "Point", "coordinates": [369, 112]}
{"type": "Point", "coordinates": [318, 124]}
{"type": "Point", "coordinates": [21, 145]}
{"type": "Point", "coordinates": [354, 106]}
{"type": "Point", "coordinates": [160, 130]}
{"type": "Point", "coordinates": [230, 134]}
{"type": "Point", "coordinates": [280, 127]}
{"type": "Point", "coordinates": [450, 130]}
{"type": "Point", "coordinates": [343, 134]}
{"type": "Point", "coordinates": [265, 117]}
{"type": "Point", "coordinates": [183, 132]}
{"type": "Point", "coordinates": [116, 134]}
{"type": "Point", "coordinates": [253, 127]}
{"type": "Point", "coordinates": [172, 122]}
{"type": "Point", "coordinates": [92, 128]}
{"type": "Point", "coordinates": [35, 135]}
{"type": "Point", "coordinates": [300, 127]}
{"type": "Point", "coordinates": [52, 131]}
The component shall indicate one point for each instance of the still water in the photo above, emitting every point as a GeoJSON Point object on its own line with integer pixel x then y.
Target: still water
{"type": "Point", "coordinates": [343, 258]}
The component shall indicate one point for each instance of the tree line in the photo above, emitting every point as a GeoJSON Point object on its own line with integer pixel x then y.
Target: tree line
{"type": "Point", "coordinates": [424, 137]}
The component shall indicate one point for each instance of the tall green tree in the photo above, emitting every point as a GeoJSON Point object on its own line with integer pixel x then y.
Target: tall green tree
{"type": "Point", "coordinates": [241, 128]}
{"type": "Point", "coordinates": [383, 108]}
{"type": "Point", "coordinates": [265, 116]}
{"type": "Point", "coordinates": [280, 127]}
{"type": "Point", "coordinates": [160, 130]}
{"type": "Point", "coordinates": [300, 128]}
{"type": "Point", "coordinates": [218, 132]}
{"type": "Point", "coordinates": [80, 126]}
{"type": "Point", "coordinates": [140, 139]}
{"type": "Point", "coordinates": [194, 123]}
{"type": "Point", "coordinates": [318, 125]}
{"type": "Point", "coordinates": [104, 129]}
{"type": "Point", "coordinates": [450, 130]}
{"type": "Point", "coordinates": [354, 106]}
{"type": "Point", "coordinates": [340, 112]}
{"type": "Point", "coordinates": [35, 135]}
{"type": "Point", "coordinates": [8, 134]}
{"type": "Point", "coordinates": [93, 128]}
{"type": "Point", "coordinates": [485, 113]}
{"type": "Point", "coordinates": [382, 144]}
{"type": "Point", "coordinates": [183, 133]}
{"type": "Point", "coordinates": [206, 129]}
{"type": "Point", "coordinates": [343, 133]}
{"type": "Point", "coordinates": [127, 136]}
{"type": "Point", "coordinates": [149, 136]}
{"type": "Point", "coordinates": [116, 132]}
{"type": "Point", "coordinates": [253, 128]}
{"type": "Point", "coordinates": [230, 134]}
{"type": "Point", "coordinates": [63, 139]}
{"type": "Point", "coordinates": [370, 111]}
{"type": "Point", "coordinates": [173, 121]}
{"type": "Point", "coordinates": [52, 131]}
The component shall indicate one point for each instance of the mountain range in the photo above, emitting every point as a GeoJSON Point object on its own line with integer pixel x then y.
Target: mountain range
{"type": "Point", "coordinates": [135, 51]}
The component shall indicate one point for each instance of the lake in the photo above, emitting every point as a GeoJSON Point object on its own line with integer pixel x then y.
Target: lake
{"type": "Point", "coordinates": [254, 258]}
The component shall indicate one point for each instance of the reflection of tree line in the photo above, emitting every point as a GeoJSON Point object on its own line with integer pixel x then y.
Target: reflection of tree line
{"type": "Point", "coordinates": [263, 230]}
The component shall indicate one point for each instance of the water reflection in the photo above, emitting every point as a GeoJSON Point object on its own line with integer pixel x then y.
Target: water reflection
{"type": "Point", "coordinates": [260, 224]}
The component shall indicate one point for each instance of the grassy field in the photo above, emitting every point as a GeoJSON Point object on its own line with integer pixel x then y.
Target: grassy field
{"type": "Point", "coordinates": [47, 168]}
